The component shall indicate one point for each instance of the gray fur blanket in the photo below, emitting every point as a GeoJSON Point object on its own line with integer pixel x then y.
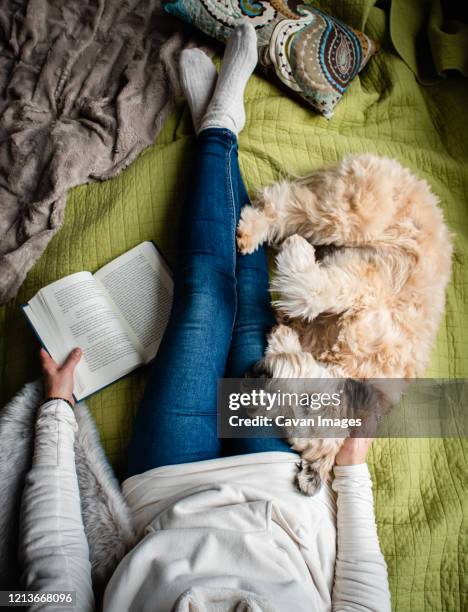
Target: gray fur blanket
{"type": "Point", "coordinates": [106, 517]}
{"type": "Point", "coordinates": [85, 85]}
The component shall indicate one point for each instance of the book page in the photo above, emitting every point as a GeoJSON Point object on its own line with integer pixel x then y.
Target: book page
{"type": "Point", "coordinates": [140, 285]}
{"type": "Point", "coordinates": [81, 314]}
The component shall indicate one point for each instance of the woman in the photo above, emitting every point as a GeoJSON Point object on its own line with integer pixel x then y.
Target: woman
{"type": "Point", "coordinates": [221, 525]}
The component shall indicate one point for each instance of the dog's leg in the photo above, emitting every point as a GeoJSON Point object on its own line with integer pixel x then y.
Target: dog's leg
{"type": "Point", "coordinates": [316, 464]}
{"type": "Point", "coordinates": [308, 288]}
{"type": "Point", "coordinates": [285, 358]}
{"type": "Point", "coordinates": [276, 214]}
{"type": "Point", "coordinates": [253, 230]}
{"type": "Point", "coordinates": [350, 204]}
{"type": "Point", "coordinates": [283, 339]}
{"type": "Point", "coordinates": [282, 343]}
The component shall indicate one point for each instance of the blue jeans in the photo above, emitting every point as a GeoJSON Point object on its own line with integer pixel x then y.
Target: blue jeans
{"type": "Point", "coordinates": [220, 315]}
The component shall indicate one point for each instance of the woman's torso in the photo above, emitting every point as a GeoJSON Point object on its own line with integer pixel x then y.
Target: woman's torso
{"type": "Point", "coordinates": [232, 523]}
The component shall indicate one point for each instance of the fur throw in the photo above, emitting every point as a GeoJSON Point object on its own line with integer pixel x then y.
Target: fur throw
{"type": "Point", "coordinates": [106, 517]}
{"type": "Point", "coordinates": [85, 86]}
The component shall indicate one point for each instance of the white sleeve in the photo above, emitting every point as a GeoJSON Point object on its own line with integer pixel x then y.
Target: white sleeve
{"type": "Point", "coordinates": [54, 549]}
{"type": "Point", "coordinates": [361, 581]}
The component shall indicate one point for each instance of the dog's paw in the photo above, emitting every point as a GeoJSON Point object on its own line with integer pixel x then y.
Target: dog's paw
{"type": "Point", "coordinates": [297, 280]}
{"type": "Point", "coordinates": [308, 479]}
{"type": "Point", "coordinates": [283, 339]}
{"type": "Point", "coordinates": [252, 230]}
{"type": "Point", "coordinates": [297, 241]}
{"type": "Point", "coordinates": [296, 254]}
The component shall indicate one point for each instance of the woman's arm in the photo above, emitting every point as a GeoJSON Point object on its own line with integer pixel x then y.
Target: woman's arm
{"type": "Point", "coordinates": [54, 548]}
{"type": "Point", "coordinates": [361, 582]}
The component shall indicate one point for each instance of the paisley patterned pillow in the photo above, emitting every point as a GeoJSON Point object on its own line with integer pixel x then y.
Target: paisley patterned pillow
{"type": "Point", "coordinates": [312, 53]}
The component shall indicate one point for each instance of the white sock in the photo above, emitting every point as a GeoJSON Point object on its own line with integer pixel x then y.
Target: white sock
{"type": "Point", "coordinates": [226, 109]}
{"type": "Point", "coordinates": [198, 79]}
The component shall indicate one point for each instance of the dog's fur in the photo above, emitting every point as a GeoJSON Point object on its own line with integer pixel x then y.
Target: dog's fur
{"type": "Point", "coordinates": [370, 305]}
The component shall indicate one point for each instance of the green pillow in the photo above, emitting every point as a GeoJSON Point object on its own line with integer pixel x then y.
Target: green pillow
{"type": "Point", "coordinates": [314, 54]}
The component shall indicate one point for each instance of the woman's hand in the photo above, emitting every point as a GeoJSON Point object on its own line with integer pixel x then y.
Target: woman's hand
{"type": "Point", "coordinates": [58, 380]}
{"type": "Point", "coordinates": [354, 451]}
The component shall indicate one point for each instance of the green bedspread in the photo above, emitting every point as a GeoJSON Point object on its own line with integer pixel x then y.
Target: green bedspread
{"type": "Point", "coordinates": [420, 485]}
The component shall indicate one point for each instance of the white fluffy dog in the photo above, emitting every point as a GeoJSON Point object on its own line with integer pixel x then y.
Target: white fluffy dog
{"type": "Point", "coordinates": [369, 306]}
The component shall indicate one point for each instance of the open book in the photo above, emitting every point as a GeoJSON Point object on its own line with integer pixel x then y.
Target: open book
{"type": "Point", "coordinates": [117, 316]}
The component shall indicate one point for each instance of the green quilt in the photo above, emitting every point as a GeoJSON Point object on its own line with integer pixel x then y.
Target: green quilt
{"type": "Point", "coordinates": [420, 485]}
